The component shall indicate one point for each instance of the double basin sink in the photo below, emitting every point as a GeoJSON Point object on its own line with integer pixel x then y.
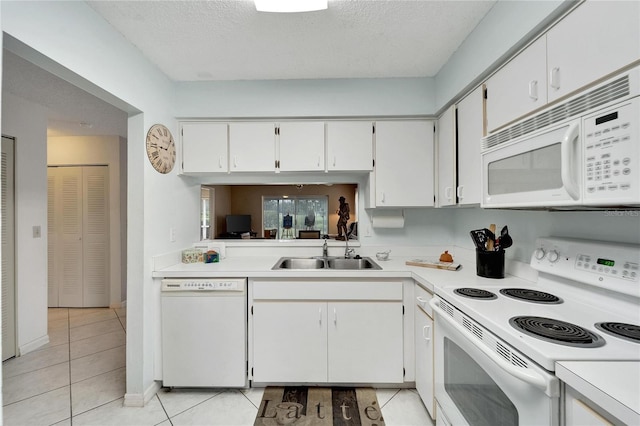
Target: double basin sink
{"type": "Point", "coordinates": [325, 263]}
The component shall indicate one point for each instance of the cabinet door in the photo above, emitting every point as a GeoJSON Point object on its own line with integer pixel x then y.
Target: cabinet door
{"type": "Point", "coordinates": [301, 146]}
{"type": "Point", "coordinates": [365, 342]}
{"type": "Point", "coordinates": [252, 147]}
{"type": "Point", "coordinates": [470, 125]}
{"type": "Point", "coordinates": [349, 146]}
{"type": "Point", "coordinates": [204, 148]}
{"type": "Point", "coordinates": [447, 158]}
{"type": "Point", "coordinates": [290, 341]}
{"type": "Point", "coordinates": [519, 87]}
{"type": "Point", "coordinates": [424, 359]}
{"type": "Point", "coordinates": [596, 39]}
{"type": "Point", "coordinates": [404, 171]}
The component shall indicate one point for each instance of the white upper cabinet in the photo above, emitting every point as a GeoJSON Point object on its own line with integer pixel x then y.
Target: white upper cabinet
{"type": "Point", "coordinates": [596, 39]}
{"type": "Point", "coordinates": [403, 171]}
{"type": "Point", "coordinates": [252, 147]}
{"type": "Point", "coordinates": [204, 148]}
{"type": "Point", "coordinates": [519, 87]}
{"type": "Point", "coordinates": [470, 125]}
{"type": "Point", "coordinates": [349, 146]}
{"type": "Point", "coordinates": [446, 144]}
{"type": "Point", "coordinates": [301, 146]}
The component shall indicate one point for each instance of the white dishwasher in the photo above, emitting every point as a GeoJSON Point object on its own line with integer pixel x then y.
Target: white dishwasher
{"type": "Point", "coordinates": [204, 332]}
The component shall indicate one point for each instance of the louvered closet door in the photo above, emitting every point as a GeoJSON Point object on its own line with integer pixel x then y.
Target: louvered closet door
{"type": "Point", "coordinates": [95, 236]}
{"type": "Point", "coordinates": [78, 236]}
{"type": "Point", "coordinates": [8, 251]}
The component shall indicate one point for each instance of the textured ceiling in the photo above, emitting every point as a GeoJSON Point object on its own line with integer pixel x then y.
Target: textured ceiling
{"type": "Point", "coordinates": [230, 40]}
{"type": "Point", "coordinates": [67, 105]}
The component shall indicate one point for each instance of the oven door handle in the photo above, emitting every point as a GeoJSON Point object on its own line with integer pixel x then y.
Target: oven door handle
{"type": "Point", "coordinates": [567, 151]}
{"type": "Point", "coordinates": [530, 377]}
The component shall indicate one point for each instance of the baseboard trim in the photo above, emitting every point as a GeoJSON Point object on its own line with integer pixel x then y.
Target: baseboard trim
{"type": "Point", "coordinates": [33, 345]}
{"type": "Point", "coordinates": [139, 400]}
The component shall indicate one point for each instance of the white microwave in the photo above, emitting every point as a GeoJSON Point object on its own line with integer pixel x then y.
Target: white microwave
{"type": "Point", "coordinates": [584, 152]}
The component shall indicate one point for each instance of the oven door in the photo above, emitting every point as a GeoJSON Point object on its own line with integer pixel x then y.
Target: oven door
{"type": "Point", "coordinates": [537, 170]}
{"type": "Point", "coordinates": [481, 381]}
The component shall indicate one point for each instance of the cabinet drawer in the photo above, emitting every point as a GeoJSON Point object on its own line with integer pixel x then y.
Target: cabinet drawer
{"type": "Point", "coordinates": [323, 290]}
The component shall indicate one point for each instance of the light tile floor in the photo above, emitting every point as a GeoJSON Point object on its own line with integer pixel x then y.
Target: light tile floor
{"type": "Point", "coordinates": [78, 378]}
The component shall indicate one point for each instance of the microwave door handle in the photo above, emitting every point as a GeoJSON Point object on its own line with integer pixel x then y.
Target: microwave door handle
{"type": "Point", "coordinates": [567, 166]}
{"type": "Point", "coordinates": [530, 377]}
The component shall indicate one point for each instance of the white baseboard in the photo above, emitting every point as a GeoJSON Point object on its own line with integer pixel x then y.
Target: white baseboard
{"type": "Point", "coordinates": [33, 345]}
{"type": "Point", "coordinates": [139, 400]}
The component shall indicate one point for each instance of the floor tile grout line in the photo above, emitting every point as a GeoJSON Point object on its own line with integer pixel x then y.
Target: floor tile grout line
{"type": "Point", "coordinates": [94, 322]}
{"type": "Point", "coordinates": [93, 337]}
{"type": "Point", "coordinates": [98, 375]}
{"type": "Point", "coordinates": [36, 395]}
{"type": "Point", "coordinates": [245, 395]}
{"type": "Point", "coordinates": [97, 406]}
{"type": "Point", "coordinates": [33, 371]}
{"type": "Point", "coordinates": [193, 406]}
{"type": "Point", "coordinates": [163, 409]}
{"type": "Point", "coordinates": [393, 396]}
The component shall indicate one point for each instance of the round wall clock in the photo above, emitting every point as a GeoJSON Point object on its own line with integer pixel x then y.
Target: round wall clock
{"type": "Point", "coordinates": [161, 148]}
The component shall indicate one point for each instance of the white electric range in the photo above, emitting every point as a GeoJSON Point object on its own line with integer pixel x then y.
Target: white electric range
{"type": "Point", "coordinates": [496, 349]}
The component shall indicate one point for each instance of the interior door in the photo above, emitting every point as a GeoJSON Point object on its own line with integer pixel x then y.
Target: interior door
{"type": "Point", "coordinates": [78, 245]}
{"type": "Point", "coordinates": [8, 250]}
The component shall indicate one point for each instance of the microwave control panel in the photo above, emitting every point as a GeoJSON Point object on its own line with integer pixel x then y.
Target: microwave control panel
{"type": "Point", "coordinates": [611, 152]}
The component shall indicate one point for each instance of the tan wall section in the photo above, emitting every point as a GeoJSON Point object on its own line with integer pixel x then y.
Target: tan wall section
{"type": "Point", "coordinates": [247, 199]}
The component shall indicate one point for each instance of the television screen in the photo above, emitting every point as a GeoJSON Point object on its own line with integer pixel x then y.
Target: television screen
{"type": "Point", "coordinates": [238, 223]}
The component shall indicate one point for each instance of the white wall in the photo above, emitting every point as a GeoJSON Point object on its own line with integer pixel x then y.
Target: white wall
{"type": "Point", "coordinates": [99, 150]}
{"type": "Point", "coordinates": [70, 40]}
{"type": "Point", "coordinates": [27, 122]}
{"type": "Point", "coordinates": [306, 98]}
{"type": "Point", "coordinates": [525, 226]}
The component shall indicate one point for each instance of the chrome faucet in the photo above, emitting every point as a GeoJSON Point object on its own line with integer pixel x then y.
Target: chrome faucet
{"type": "Point", "coordinates": [325, 249]}
{"type": "Point", "coordinates": [347, 251]}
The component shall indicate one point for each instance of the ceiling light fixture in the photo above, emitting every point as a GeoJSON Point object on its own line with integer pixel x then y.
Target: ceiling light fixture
{"type": "Point", "coordinates": [290, 6]}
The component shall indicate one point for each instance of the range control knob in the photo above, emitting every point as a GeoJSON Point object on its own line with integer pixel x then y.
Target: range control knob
{"type": "Point", "coordinates": [539, 253]}
{"type": "Point", "coordinates": [553, 256]}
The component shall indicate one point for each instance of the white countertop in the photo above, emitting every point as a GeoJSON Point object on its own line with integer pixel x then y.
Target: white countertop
{"type": "Point", "coordinates": [615, 386]}
{"type": "Point", "coordinates": [395, 267]}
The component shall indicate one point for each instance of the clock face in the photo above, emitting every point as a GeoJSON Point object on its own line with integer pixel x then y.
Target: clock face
{"type": "Point", "coordinates": [161, 149]}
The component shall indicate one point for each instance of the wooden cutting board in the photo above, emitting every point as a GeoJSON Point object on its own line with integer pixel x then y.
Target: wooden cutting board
{"type": "Point", "coordinates": [434, 263]}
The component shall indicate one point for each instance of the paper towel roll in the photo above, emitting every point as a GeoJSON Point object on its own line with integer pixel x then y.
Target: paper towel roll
{"type": "Point", "coordinates": [388, 219]}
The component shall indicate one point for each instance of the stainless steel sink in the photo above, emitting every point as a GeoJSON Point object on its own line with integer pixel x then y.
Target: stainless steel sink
{"type": "Point", "coordinates": [300, 263]}
{"type": "Point", "coordinates": [363, 263]}
{"type": "Point", "coordinates": [325, 263]}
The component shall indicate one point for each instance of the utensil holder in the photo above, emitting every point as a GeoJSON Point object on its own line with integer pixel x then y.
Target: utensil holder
{"type": "Point", "coordinates": [490, 264]}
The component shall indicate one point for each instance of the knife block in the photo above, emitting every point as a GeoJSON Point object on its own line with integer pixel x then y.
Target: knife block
{"type": "Point", "coordinates": [490, 264]}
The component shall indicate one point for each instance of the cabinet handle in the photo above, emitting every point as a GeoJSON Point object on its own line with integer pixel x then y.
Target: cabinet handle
{"type": "Point", "coordinates": [335, 316]}
{"type": "Point", "coordinates": [219, 162]}
{"type": "Point", "coordinates": [235, 161]}
{"type": "Point", "coordinates": [334, 161]}
{"type": "Point", "coordinates": [533, 90]}
{"type": "Point", "coordinates": [426, 333]}
{"type": "Point", "coordinates": [382, 197]}
{"type": "Point", "coordinates": [318, 161]}
{"type": "Point", "coordinates": [447, 192]}
{"type": "Point", "coordinates": [320, 316]}
{"type": "Point", "coordinates": [459, 191]}
{"type": "Point", "coordinates": [554, 77]}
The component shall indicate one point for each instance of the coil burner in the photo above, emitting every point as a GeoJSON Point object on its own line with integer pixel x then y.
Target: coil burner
{"type": "Point", "coordinates": [557, 331]}
{"type": "Point", "coordinates": [475, 293]}
{"type": "Point", "coordinates": [629, 332]}
{"type": "Point", "coordinates": [530, 295]}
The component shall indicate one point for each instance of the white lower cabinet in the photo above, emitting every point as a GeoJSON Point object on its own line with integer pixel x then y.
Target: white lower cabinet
{"type": "Point", "coordinates": [423, 328]}
{"type": "Point", "coordinates": [327, 341]}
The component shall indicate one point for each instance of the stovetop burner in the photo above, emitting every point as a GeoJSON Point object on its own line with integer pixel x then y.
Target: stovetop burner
{"type": "Point", "coordinates": [557, 331]}
{"type": "Point", "coordinates": [475, 293]}
{"type": "Point", "coordinates": [530, 295]}
{"type": "Point", "coordinates": [629, 332]}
